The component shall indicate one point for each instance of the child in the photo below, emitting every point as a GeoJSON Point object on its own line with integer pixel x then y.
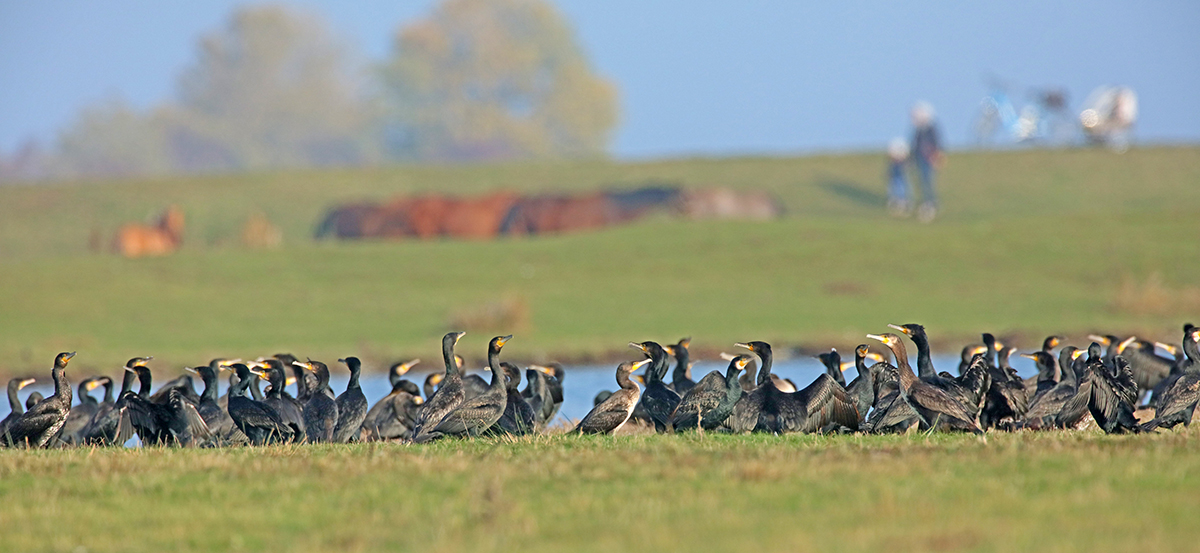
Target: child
{"type": "Point", "coordinates": [897, 183]}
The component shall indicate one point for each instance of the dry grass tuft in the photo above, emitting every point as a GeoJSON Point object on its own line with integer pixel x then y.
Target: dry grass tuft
{"type": "Point", "coordinates": [1154, 297]}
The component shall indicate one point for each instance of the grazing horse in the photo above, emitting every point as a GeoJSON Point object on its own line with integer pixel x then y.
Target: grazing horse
{"type": "Point", "coordinates": [133, 240]}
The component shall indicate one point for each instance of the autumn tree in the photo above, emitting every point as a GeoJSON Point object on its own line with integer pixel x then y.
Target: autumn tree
{"type": "Point", "coordinates": [494, 79]}
{"type": "Point", "coordinates": [270, 89]}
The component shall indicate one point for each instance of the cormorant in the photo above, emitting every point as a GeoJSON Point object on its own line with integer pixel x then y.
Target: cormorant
{"type": "Point", "coordinates": [554, 384]}
{"type": "Point", "coordinates": [862, 388]}
{"type": "Point", "coordinates": [537, 394]}
{"type": "Point", "coordinates": [175, 421]}
{"type": "Point", "coordinates": [1177, 403]}
{"type": "Point", "coordinates": [935, 408]}
{"type": "Point", "coordinates": [710, 401]}
{"type": "Point", "coordinates": [1114, 393]}
{"type": "Point", "coordinates": [449, 395]}
{"type": "Point", "coordinates": [474, 384]}
{"type": "Point", "coordinates": [34, 398]}
{"type": "Point", "coordinates": [1006, 399]}
{"type": "Point", "coordinates": [306, 381]}
{"type": "Point", "coordinates": [474, 415]}
{"type": "Point", "coordinates": [321, 409]}
{"type": "Point", "coordinates": [432, 382]}
{"type": "Point", "coordinates": [1190, 360]}
{"type": "Point", "coordinates": [210, 410]}
{"type": "Point", "coordinates": [14, 402]}
{"type": "Point", "coordinates": [681, 375]}
{"type": "Point", "coordinates": [890, 414]}
{"type": "Point", "coordinates": [352, 405]}
{"type": "Point", "coordinates": [518, 418]}
{"type": "Point", "coordinates": [183, 383]}
{"type": "Point", "coordinates": [105, 426]}
{"type": "Point", "coordinates": [82, 414]}
{"type": "Point", "coordinates": [613, 412]}
{"type": "Point", "coordinates": [1048, 375]}
{"type": "Point", "coordinates": [393, 416]}
{"type": "Point", "coordinates": [1062, 406]}
{"type": "Point", "coordinates": [968, 389]}
{"type": "Point", "coordinates": [38, 425]}
{"type": "Point", "coordinates": [257, 420]}
{"type": "Point", "coordinates": [600, 397]}
{"type": "Point", "coordinates": [290, 410]}
{"type": "Point", "coordinates": [822, 405]}
{"type": "Point", "coordinates": [832, 360]}
{"type": "Point", "coordinates": [658, 400]}
{"type": "Point", "coordinates": [968, 352]}
{"type": "Point", "coordinates": [1148, 367]}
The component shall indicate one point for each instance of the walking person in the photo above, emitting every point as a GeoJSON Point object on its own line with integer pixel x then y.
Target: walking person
{"type": "Point", "coordinates": [897, 181]}
{"type": "Point", "coordinates": [927, 154]}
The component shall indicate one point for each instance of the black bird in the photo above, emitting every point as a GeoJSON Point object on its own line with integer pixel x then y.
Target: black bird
{"type": "Point", "coordinates": [33, 399]}
{"type": "Point", "coordinates": [175, 421]}
{"type": "Point", "coordinates": [518, 418]}
{"type": "Point", "coordinates": [449, 394]}
{"type": "Point", "coordinates": [82, 414]}
{"type": "Point", "coordinates": [1063, 405]}
{"type": "Point", "coordinates": [474, 415]}
{"type": "Point", "coordinates": [352, 405]}
{"type": "Point", "coordinates": [681, 375]}
{"type": "Point", "coordinates": [321, 409]}
{"type": "Point", "coordinates": [1114, 394]}
{"type": "Point", "coordinates": [614, 411]}
{"type": "Point", "coordinates": [432, 382]}
{"type": "Point", "coordinates": [184, 384]}
{"type": "Point", "coordinates": [14, 402]}
{"type": "Point", "coordinates": [707, 404]}
{"type": "Point", "coordinates": [554, 383]}
{"type": "Point", "coordinates": [862, 388]}
{"type": "Point", "coordinates": [821, 406]}
{"type": "Point", "coordinates": [537, 394]}
{"type": "Point", "coordinates": [968, 389]}
{"type": "Point", "coordinates": [290, 410]}
{"type": "Point", "coordinates": [1148, 367]}
{"type": "Point", "coordinates": [1177, 403]}
{"type": "Point", "coordinates": [393, 416]}
{"type": "Point", "coordinates": [1006, 399]}
{"type": "Point", "coordinates": [209, 407]}
{"type": "Point", "coordinates": [306, 381]}
{"type": "Point", "coordinates": [601, 396]}
{"type": "Point", "coordinates": [257, 420]}
{"type": "Point", "coordinates": [474, 384]}
{"type": "Point", "coordinates": [832, 360]}
{"type": "Point", "coordinates": [890, 413]}
{"type": "Point", "coordinates": [936, 409]}
{"type": "Point", "coordinates": [105, 426]}
{"type": "Point", "coordinates": [1190, 361]}
{"type": "Point", "coordinates": [1048, 375]}
{"type": "Point", "coordinates": [38, 425]}
{"type": "Point", "coordinates": [658, 399]}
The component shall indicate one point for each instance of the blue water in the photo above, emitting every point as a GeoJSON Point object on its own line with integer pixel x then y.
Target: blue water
{"type": "Point", "coordinates": [580, 385]}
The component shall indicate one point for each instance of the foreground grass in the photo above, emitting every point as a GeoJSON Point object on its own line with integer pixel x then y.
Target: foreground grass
{"type": "Point", "coordinates": [1049, 492]}
{"type": "Point", "coordinates": [1029, 243]}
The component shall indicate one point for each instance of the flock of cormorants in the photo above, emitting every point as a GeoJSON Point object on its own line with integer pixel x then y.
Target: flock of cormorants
{"type": "Point", "coordinates": [1117, 384]}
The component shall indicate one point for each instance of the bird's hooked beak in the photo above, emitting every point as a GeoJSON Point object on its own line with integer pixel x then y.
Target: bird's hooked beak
{"type": "Point", "coordinates": [304, 365]}
{"type": "Point", "coordinates": [1078, 353]}
{"type": "Point", "coordinates": [1100, 339]}
{"type": "Point", "coordinates": [437, 378]}
{"type": "Point", "coordinates": [1029, 356]}
{"type": "Point", "coordinates": [458, 336]}
{"type": "Point", "coordinates": [636, 345]}
{"type": "Point", "coordinates": [25, 383]}
{"type": "Point", "coordinates": [874, 357]}
{"type": "Point", "coordinates": [289, 381]}
{"type": "Point", "coordinates": [878, 337]}
{"type": "Point", "coordinates": [728, 356]}
{"type": "Point", "coordinates": [640, 364]}
{"type": "Point", "coordinates": [94, 384]}
{"type": "Point", "coordinates": [501, 340]}
{"type": "Point", "coordinates": [191, 370]}
{"type": "Point", "coordinates": [1121, 347]}
{"type": "Point", "coordinates": [418, 400]}
{"type": "Point", "coordinates": [669, 349]}
{"type": "Point", "coordinates": [547, 370]}
{"type": "Point", "coordinates": [1167, 348]}
{"type": "Point", "coordinates": [906, 331]}
{"type": "Point", "coordinates": [259, 374]}
{"type": "Point", "coordinates": [68, 356]}
{"type": "Point", "coordinates": [405, 367]}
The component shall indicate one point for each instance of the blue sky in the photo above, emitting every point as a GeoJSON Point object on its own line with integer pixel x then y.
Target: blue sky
{"type": "Point", "coordinates": [696, 77]}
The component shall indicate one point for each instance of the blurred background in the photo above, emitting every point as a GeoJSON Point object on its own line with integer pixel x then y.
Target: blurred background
{"type": "Point", "coordinates": [231, 178]}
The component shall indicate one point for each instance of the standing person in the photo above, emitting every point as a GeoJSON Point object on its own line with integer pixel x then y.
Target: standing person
{"type": "Point", "coordinates": [927, 153]}
{"type": "Point", "coordinates": [897, 181]}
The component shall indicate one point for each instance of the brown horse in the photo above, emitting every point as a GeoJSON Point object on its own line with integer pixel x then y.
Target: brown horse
{"type": "Point", "coordinates": [133, 240]}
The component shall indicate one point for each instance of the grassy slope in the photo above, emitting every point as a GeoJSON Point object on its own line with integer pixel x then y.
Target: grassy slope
{"type": "Point", "coordinates": [1030, 241]}
{"type": "Point", "coordinates": [1051, 492]}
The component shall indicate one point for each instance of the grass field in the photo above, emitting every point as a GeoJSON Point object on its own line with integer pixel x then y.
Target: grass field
{"type": "Point", "coordinates": [1047, 492]}
{"type": "Point", "coordinates": [1028, 243]}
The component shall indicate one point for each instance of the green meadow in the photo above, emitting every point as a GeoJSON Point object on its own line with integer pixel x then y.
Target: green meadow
{"type": "Point", "coordinates": [1080, 491]}
{"type": "Point", "coordinates": [1027, 243]}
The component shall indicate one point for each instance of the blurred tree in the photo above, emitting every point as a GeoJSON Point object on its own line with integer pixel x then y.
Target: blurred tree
{"type": "Point", "coordinates": [271, 89]}
{"type": "Point", "coordinates": [494, 79]}
{"type": "Point", "coordinates": [112, 140]}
